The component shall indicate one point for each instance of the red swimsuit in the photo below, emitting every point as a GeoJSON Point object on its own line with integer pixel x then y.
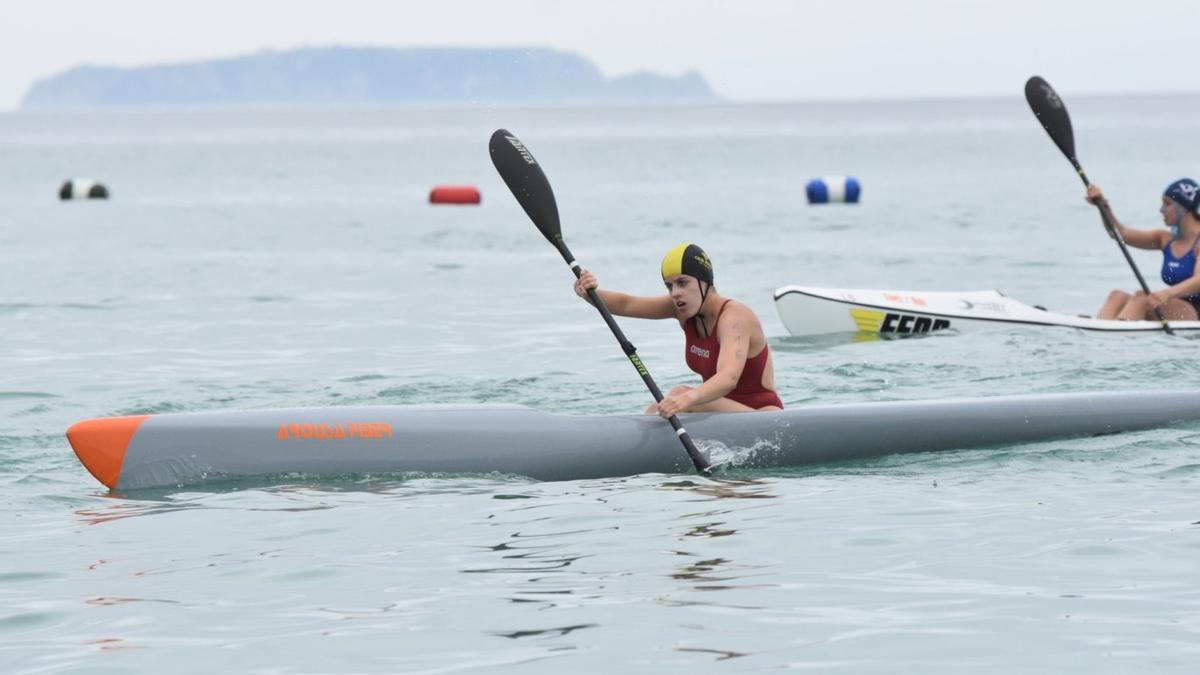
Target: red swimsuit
{"type": "Point", "coordinates": [701, 355]}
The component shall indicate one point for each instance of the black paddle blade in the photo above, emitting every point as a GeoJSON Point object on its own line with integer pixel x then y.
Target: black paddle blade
{"type": "Point", "coordinates": [1052, 113]}
{"type": "Point", "coordinates": [525, 179]}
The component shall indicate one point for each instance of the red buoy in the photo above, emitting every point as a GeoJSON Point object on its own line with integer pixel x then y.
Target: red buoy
{"type": "Point", "coordinates": [454, 194]}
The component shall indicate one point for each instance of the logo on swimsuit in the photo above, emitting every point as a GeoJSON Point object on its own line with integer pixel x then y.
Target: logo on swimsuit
{"type": "Point", "coordinates": [702, 353]}
{"type": "Point", "coordinates": [521, 149]}
{"type": "Point", "coordinates": [870, 321]}
{"type": "Point", "coordinates": [363, 431]}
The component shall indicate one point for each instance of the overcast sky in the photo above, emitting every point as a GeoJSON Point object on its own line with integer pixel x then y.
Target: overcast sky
{"type": "Point", "coordinates": [748, 49]}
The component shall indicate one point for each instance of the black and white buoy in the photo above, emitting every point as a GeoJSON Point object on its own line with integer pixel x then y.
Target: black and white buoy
{"type": "Point", "coordinates": [82, 188]}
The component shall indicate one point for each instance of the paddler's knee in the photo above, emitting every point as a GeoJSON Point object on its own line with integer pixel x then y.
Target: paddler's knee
{"type": "Point", "coordinates": [1118, 296]}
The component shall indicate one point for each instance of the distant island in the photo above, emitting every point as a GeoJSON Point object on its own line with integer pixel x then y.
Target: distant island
{"type": "Point", "coordinates": [360, 75]}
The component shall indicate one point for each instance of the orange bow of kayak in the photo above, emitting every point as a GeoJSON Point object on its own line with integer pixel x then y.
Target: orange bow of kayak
{"type": "Point", "coordinates": [100, 444]}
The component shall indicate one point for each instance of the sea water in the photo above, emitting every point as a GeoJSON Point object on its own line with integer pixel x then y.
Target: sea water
{"type": "Point", "coordinates": [275, 258]}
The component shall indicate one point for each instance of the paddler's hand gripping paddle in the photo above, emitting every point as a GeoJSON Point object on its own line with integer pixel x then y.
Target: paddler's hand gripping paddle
{"type": "Point", "coordinates": [528, 183]}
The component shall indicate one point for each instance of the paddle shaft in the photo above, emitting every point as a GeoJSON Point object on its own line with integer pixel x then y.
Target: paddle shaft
{"type": "Point", "coordinates": [698, 460]}
{"type": "Point", "coordinates": [1116, 234]}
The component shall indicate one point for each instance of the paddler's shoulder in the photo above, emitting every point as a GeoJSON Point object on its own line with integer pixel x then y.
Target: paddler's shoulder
{"type": "Point", "coordinates": [735, 313]}
{"type": "Point", "coordinates": [738, 308]}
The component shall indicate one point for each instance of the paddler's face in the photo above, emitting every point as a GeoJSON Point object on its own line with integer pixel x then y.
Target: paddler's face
{"type": "Point", "coordinates": [1171, 212]}
{"type": "Point", "coordinates": [685, 292]}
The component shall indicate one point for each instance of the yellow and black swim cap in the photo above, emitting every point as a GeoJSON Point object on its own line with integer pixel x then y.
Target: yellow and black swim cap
{"type": "Point", "coordinates": [688, 259]}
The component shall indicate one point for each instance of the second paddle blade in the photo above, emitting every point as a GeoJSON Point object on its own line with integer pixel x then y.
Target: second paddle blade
{"type": "Point", "coordinates": [1052, 113]}
{"type": "Point", "coordinates": [527, 182]}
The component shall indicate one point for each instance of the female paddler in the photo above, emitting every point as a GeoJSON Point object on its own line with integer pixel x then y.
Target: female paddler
{"type": "Point", "coordinates": [1180, 300]}
{"type": "Point", "coordinates": [723, 339]}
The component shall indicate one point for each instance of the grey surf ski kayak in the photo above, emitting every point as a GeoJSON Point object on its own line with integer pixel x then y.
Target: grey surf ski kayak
{"type": "Point", "coordinates": [146, 451]}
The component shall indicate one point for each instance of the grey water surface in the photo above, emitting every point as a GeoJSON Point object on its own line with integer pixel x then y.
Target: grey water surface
{"type": "Point", "coordinates": [273, 258]}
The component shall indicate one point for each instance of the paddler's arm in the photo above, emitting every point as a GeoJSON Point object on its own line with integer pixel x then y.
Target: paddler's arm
{"type": "Point", "coordinates": [623, 304]}
{"type": "Point", "coordinates": [1148, 239]}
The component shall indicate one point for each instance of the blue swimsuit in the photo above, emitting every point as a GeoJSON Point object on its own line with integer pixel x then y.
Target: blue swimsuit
{"type": "Point", "coordinates": [1177, 270]}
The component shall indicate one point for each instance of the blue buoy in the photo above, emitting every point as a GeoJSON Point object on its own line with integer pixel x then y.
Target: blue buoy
{"type": "Point", "coordinates": [832, 189]}
{"type": "Point", "coordinates": [82, 188]}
